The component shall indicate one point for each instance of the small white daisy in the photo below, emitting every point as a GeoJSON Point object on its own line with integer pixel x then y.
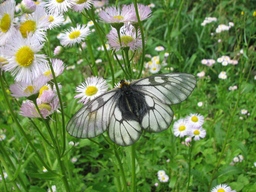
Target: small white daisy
{"type": "Point", "coordinates": [24, 62]}
{"type": "Point", "coordinates": [55, 20]}
{"type": "Point", "coordinates": [163, 178]}
{"type": "Point", "coordinates": [232, 88]}
{"type": "Point", "coordinates": [200, 74]}
{"type": "Point", "coordinates": [36, 24]}
{"type": "Point", "coordinates": [194, 119]}
{"type": "Point", "coordinates": [222, 188]}
{"type": "Point", "coordinates": [222, 75]}
{"type": "Point", "coordinates": [80, 5]}
{"type": "Point", "coordinates": [57, 6]}
{"type": "Point", "coordinates": [154, 68]}
{"type": "Point", "coordinates": [74, 35]}
{"type": "Point", "coordinates": [2, 137]}
{"type": "Point", "coordinates": [58, 68]}
{"type": "Point", "coordinates": [160, 173]}
{"type": "Point", "coordinates": [5, 176]}
{"type": "Point", "coordinates": [159, 48]}
{"type": "Point", "coordinates": [244, 111]}
{"type": "Point", "coordinates": [197, 133]}
{"type": "Point", "coordinates": [91, 88]}
{"type": "Point", "coordinates": [7, 28]}
{"type": "Point", "coordinates": [200, 104]}
{"type": "Point", "coordinates": [180, 128]}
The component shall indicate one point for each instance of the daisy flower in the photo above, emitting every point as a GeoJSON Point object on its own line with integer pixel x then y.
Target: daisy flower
{"type": "Point", "coordinates": [223, 75]}
{"type": "Point", "coordinates": [224, 60]}
{"type": "Point", "coordinates": [74, 35]}
{"type": "Point", "coordinates": [91, 88]}
{"type": "Point", "coordinates": [7, 10]}
{"type": "Point", "coordinates": [222, 188]}
{"type": "Point", "coordinates": [24, 62]}
{"type": "Point", "coordinates": [115, 15]}
{"type": "Point", "coordinates": [128, 37]}
{"type": "Point", "coordinates": [159, 48]}
{"type": "Point", "coordinates": [144, 12]}
{"type": "Point", "coordinates": [57, 6]}
{"type": "Point", "coordinates": [163, 178]}
{"type": "Point", "coordinates": [22, 89]}
{"type": "Point", "coordinates": [55, 20]}
{"type": "Point", "coordinates": [36, 24]}
{"type": "Point", "coordinates": [197, 133]}
{"type": "Point", "coordinates": [154, 68]}
{"type": "Point", "coordinates": [196, 120]}
{"type": "Point", "coordinates": [80, 5]}
{"type": "Point", "coordinates": [47, 102]}
{"type": "Point", "coordinates": [180, 128]}
{"type": "Point", "coordinates": [58, 68]}
{"type": "Point", "coordinates": [160, 173]}
{"type": "Point", "coordinates": [208, 62]}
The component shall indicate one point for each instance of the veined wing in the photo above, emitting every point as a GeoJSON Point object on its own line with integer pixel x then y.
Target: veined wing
{"type": "Point", "coordinates": [168, 88]}
{"type": "Point", "coordinates": [94, 117]}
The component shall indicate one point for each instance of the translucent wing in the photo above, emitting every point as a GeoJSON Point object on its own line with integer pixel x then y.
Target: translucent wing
{"type": "Point", "coordinates": [158, 117]}
{"type": "Point", "coordinates": [160, 92]}
{"type": "Point", "coordinates": [168, 88]}
{"type": "Point", "coordinates": [123, 131]}
{"type": "Point", "coordinates": [93, 118]}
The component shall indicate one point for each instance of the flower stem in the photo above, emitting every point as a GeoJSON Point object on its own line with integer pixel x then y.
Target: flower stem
{"type": "Point", "coordinates": [133, 182]}
{"type": "Point", "coordinates": [189, 164]}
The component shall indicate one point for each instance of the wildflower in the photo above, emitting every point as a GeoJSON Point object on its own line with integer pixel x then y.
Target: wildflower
{"type": "Point", "coordinates": [224, 60]}
{"type": "Point", "coordinates": [57, 50]}
{"type": "Point", "coordinates": [80, 5]}
{"type": "Point", "coordinates": [163, 178]}
{"type": "Point", "coordinates": [154, 68]}
{"type": "Point", "coordinates": [200, 74]}
{"type": "Point", "coordinates": [5, 176]}
{"type": "Point", "coordinates": [47, 102]}
{"type": "Point", "coordinates": [244, 111]}
{"type": "Point", "coordinates": [36, 24]}
{"type": "Point", "coordinates": [45, 170]}
{"type": "Point", "coordinates": [254, 14]}
{"type": "Point", "coordinates": [23, 89]}
{"type": "Point", "coordinates": [180, 128]}
{"type": "Point", "coordinates": [90, 24]}
{"type": "Point", "coordinates": [161, 173]}
{"type": "Point", "coordinates": [159, 48]}
{"type": "Point", "coordinates": [232, 88]}
{"type": "Point", "coordinates": [208, 20]}
{"type": "Point", "coordinates": [188, 140]}
{"type": "Point", "coordinates": [58, 68]}
{"type": "Point", "coordinates": [222, 188]}
{"type": "Point", "coordinates": [200, 104]}
{"type": "Point", "coordinates": [222, 75]}
{"type": "Point", "coordinates": [144, 12]}
{"type": "Point", "coordinates": [74, 35]}
{"type": "Point", "coordinates": [128, 36]}
{"type": "Point", "coordinates": [233, 62]}
{"type": "Point", "coordinates": [2, 136]}
{"type": "Point", "coordinates": [208, 62]}
{"type": "Point", "coordinates": [196, 120]}
{"type": "Point", "coordinates": [222, 27]}
{"type": "Point", "coordinates": [55, 20]}
{"type": "Point", "coordinates": [91, 88]}
{"type": "Point", "coordinates": [28, 6]}
{"type": "Point", "coordinates": [52, 189]}
{"type": "Point", "coordinates": [24, 62]}
{"type": "Point", "coordinates": [116, 16]}
{"type": "Point", "coordinates": [156, 184]}
{"type": "Point", "coordinates": [197, 133]}
{"type": "Point", "coordinates": [56, 6]}
{"type": "Point", "coordinates": [7, 28]}
{"type": "Point", "coordinates": [73, 159]}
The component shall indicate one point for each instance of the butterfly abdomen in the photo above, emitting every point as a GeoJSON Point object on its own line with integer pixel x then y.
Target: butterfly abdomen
{"type": "Point", "coordinates": [132, 103]}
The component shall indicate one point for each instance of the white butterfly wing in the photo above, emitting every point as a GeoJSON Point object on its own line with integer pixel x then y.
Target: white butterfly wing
{"type": "Point", "coordinates": [168, 88]}
{"type": "Point", "coordinates": [93, 118]}
{"type": "Point", "coordinates": [123, 131]}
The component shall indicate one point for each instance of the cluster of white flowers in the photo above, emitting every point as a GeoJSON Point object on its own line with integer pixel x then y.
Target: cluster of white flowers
{"type": "Point", "coordinates": [208, 20]}
{"type": "Point", "coordinates": [208, 62]}
{"type": "Point", "coordinates": [190, 126]}
{"type": "Point", "coordinates": [223, 27]}
{"type": "Point", "coordinates": [225, 60]}
{"type": "Point", "coordinates": [237, 159]}
{"type": "Point", "coordinates": [162, 176]}
{"type": "Point", "coordinates": [155, 64]}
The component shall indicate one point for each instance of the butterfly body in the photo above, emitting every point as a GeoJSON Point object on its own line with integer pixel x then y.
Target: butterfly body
{"type": "Point", "coordinates": [132, 107]}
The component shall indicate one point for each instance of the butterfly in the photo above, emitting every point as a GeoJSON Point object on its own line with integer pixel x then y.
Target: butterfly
{"type": "Point", "coordinates": [131, 108]}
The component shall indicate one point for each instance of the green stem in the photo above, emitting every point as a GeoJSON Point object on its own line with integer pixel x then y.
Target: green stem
{"type": "Point", "coordinates": [121, 169]}
{"type": "Point", "coordinates": [133, 182]}
{"type": "Point", "coordinates": [189, 163]}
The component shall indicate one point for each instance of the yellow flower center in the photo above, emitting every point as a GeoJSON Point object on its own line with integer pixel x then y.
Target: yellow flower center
{"type": "Point", "coordinates": [197, 132]}
{"type": "Point", "coordinates": [48, 73]}
{"type": "Point", "coordinates": [29, 89]}
{"type": "Point", "coordinates": [27, 27]}
{"type": "Point", "coordinates": [50, 18]}
{"type": "Point", "coordinates": [80, 1]}
{"type": "Point", "coordinates": [45, 106]}
{"type": "Point", "coordinates": [5, 23]}
{"type": "Point", "coordinates": [220, 190]}
{"type": "Point", "coordinates": [182, 128]}
{"type": "Point", "coordinates": [254, 14]}
{"type": "Point", "coordinates": [24, 56]}
{"type": "Point", "coordinates": [60, 1]}
{"type": "Point", "coordinates": [91, 90]}
{"type": "Point", "coordinates": [119, 17]}
{"type": "Point", "coordinates": [125, 39]}
{"type": "Point", "coordinates": [44, 88]}
{"type": "Point", "coordinates": [74, 34]}
{"type": "Point", "coordinates": [194, 119]}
